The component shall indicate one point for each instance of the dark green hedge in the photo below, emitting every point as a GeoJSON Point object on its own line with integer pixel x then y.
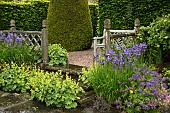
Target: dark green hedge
{"type": "Point", "coordinates": [123, 12]}
{"type": "Point", "coordinates": [29, 16]}
{"type": "Point", "coordinates": [94, 18]}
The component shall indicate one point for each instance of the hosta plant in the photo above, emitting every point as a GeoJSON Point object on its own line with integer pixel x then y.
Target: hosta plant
{"type": "Point", "coordinates": [58, 56]}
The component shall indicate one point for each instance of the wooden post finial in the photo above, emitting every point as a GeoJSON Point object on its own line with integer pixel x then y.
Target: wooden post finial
{"type": "Point", "coordinates": [12, 23]}
{"type": "Point", "coordinates": [44, 23]}
{"type": "Point", "coordinates": [137, 25]}
{"type": "Point", "coordinates": [137, 22]}
{"type": "Point", "coordinates": [107, 24]}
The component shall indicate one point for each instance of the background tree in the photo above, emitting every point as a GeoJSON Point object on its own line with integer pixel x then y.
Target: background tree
{"type": "Point", "coordinates": [69, 24]}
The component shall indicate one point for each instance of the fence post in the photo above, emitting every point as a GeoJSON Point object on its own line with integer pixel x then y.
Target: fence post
{"type": "Point", "coordinates": [12, 24]}
{"type": "Point", "coordinates": [137, 25]}
{"type": "Point", "coordinates": [107, 35]}
{"type": "Point", "coordinates": [44, 43]}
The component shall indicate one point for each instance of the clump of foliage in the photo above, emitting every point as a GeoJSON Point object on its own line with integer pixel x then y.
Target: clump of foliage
{"type": "Point", "coordinates": [14, 78]}
{"type": "Point", "coordinates": [53, 90]}
{"type": "Point", "coordinates": [157, 37]}
{"type": "Point", "coordinates": [70, 25]}
{"type": "Point", "coordinates": [117, 67]}
{"type": "Point", "coordinates": [124, 80]}
{"type": "Point", "coordinates": [145, 91]}
{"type": "Point", "coordinates": [58, 56]}
{"type": "Point", "coordinates": [14, 49]}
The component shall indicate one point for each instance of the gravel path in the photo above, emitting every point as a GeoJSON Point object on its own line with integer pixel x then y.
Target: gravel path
{"type": "Point", "coordinates": [81, 58]}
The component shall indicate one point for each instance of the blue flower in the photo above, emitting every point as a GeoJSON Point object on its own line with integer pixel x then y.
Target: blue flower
{"type": "Point", "coordinates": [136, 76]}
{"type": "Point", "coordinates": [153, 90]}
{"type": "Point", "coordinates": [164, 79]}
{"type": "Point", "coordinates": [149, 84]}
{"type": "Point", "coordinates": [140, 90]}
{"type": "Point", "coordinates": [146, 93]}
{"type": "Point", "coordinates": [165, 86]}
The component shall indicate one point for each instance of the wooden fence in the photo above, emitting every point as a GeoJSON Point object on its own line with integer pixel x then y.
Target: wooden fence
{"type": "Point", "coordinates": [109, 35]}
{"type": "Point", "coordinates": [34, 38]}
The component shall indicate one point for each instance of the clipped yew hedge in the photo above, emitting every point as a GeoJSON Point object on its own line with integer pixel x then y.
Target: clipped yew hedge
{"type": "Point", "coordinates": [69, 24]}
{"type": "Point", "coordinates": [123, 12]}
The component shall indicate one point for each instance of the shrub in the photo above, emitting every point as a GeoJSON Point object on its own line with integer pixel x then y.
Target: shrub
{"type": "Point", "coordinates": [117, 67]}
{"type": "Point", "coordinates": [157, 37]}
{"type": "Point", "coordinates": [13, 49]}
{"type": "Point", "coordinates": [70, 25]}
{"type": "Point", "coordinates": [53, 90]}
{"type": "Point", "coordinates": [58, 56]}
{"type": "Point", "coordinates": [14, 78]}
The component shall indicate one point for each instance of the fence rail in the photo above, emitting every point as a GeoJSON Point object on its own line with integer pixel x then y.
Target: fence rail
{"type": "Point", "coordinates": [34, 38]}
{"type": "Point", "coordinates": [117, 35]}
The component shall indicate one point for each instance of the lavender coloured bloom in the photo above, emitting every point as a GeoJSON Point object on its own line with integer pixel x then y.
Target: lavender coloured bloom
{"type": "Point", "coordinates": [153, 90]}
{"type": "Point", "coordinates": [154, 73]}
{"type": "Point", "coordinates": [109, 58]}
{"type": "Point", "coordinates": [149, 84]}
{"type": "Point", "coordinates": [102, 62]}
{"type": "Point", "coordinates": [141, 83]}
{"type": "Point", "coordinates": [146, 72]}
{"type": "Point", "coordinates": [164, 97]}
{"type": "Point", "coordinates": [165, 86]}
{"type": "Point", "coordinates": [18, 40]}
{"type": "Point", "coordinates": [136, 76]}
{"type": "Point", "coordinates": [164, 79]}
{"type": "Point", "coordinates": [140, 90]}
{"type": "Point", "coordinates": [146, 93]}
{"type": "Point", "coordinates": [123, 91]}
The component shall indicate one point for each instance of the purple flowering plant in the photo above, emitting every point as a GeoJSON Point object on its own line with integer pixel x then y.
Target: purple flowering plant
{"type": "Point", "coordinates": [146, 91]}
{"type": "Point", "coordinates": [113, 68]}
{"type": "Point", "coordinates": [13, 48]}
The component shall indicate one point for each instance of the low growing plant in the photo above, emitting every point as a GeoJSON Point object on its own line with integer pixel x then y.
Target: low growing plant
{"type": "Point", "coordinates": [144, 92]}
{"type": "Point", "coordinates": [14, 78]}
{"type": "Point", "coordinates": [52, 89]}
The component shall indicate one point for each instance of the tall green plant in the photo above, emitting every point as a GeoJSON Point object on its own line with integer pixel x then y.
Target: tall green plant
{"type": "Point", "coordinates": [14, 49]}
{"type": "Point", "coordinates": [116, 68]}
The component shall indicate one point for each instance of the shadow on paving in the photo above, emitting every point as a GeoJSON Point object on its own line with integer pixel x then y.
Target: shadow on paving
{"type": "Point", "coordinates": [21, 103]}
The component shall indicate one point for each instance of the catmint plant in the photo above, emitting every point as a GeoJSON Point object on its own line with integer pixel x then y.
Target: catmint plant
{"type": "Point", "coordinates": [13, 48]}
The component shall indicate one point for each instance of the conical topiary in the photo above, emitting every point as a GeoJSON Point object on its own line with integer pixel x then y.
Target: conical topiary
{"type": "Point", "coordinates": [69, 24]}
